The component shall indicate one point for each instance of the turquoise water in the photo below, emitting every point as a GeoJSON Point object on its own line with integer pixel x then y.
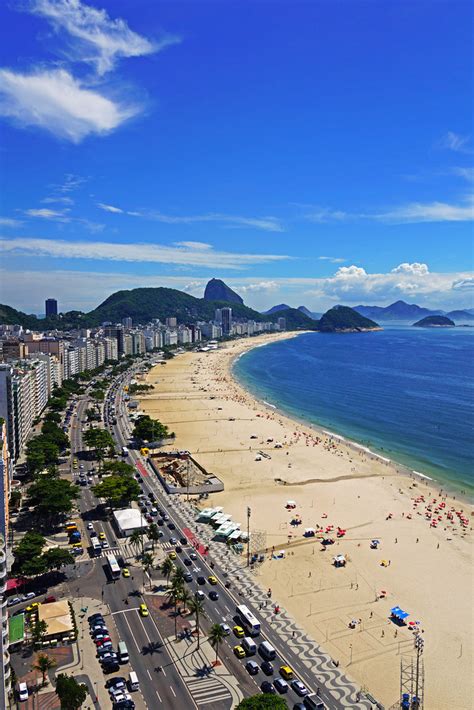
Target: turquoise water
{"type": "Point", "coordinates": [405, 392]}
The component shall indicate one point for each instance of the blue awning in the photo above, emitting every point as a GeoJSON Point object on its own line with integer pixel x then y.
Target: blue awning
{"type": "Point", "coordinates": [399, 613]}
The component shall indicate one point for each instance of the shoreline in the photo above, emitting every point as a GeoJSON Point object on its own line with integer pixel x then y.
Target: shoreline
{"type": "Point", "coordinates": [404, 469]}
{"type": "Point", "coordinates": [333, 481]}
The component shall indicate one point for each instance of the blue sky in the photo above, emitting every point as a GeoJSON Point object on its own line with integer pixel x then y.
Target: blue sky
{"type": "Point", "coordinates": [309, 152]}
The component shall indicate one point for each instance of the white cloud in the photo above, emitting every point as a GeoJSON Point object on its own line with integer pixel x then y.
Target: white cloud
{"type": "Point", "coordinates": [321, 215]}
{"type": "Point", "coordinates": [97, 39]}
{"type": "Point", "coordinates": [456, 142]}
{"type": "Point", "coordinates": [193, 245]}
{"type": "Point", "coordinates": [8, 222]}
{"type": "Point", "coordinates": [45, 213]}
{"type": "Point", "coordinates": [57, 102]}
{"type": "Point", "coordinates": [332, 259]}
{"type": "Point", "coordinates": [465, 173]}
{"type": "Point", "coordinates": [109, 208]}
{"type": "Point", "coordinates": [415, 268]}
{"type": "Point", "coordinates": [267, 224]}
{"type": "Point", "coordinates": [136, 252]}
{"type": "Point", "coordinates": [464, 284]}
{"type": "Point", "coordinates": [429, 212]}
{"type": "Point", "coordinates": [260, 286]}
{"type": "Point", "coordinates": [57, 199]}
{"type": "Point", "coordinates": [350, 272]}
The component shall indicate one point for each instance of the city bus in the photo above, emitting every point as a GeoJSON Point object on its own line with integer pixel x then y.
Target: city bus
{"type": "Point", "coordinates": [248, 620]}
{"type": "Point", "coordinates": [113, 566]}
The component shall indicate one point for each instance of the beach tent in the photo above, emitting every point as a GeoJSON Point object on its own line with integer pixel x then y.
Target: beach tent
{"type": "Point", "coordinates": [309, 532]}
{"type": "Point", "coordinates": [216, 511]}
{"type": "Point", "coordinates": [290, 504]}
{"type": "Point", "coordinates": [398, 613]}
{"type": "Point", "coordinates": [235, 535]}
{"type": "Point", "coordinates": [339, 561]}
{"type": "Point", "coordinates": [204, 514]}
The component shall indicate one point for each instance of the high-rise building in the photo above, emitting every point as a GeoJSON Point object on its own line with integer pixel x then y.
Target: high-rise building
{"type": "Point", "coordinates": [51, 307]}
{"type": "Point", "coordinates": [282, 323]}
{"type": "Point", "coordinates": [127, 322]}
{"type": "Point", "coordinates": [172, 322]}
{"type": "Point", "coordinates": [6, 475]}
{"type": "Point", "coordinates": [226, 320]}
{"type": "Point", "coordinates": [218, 316]}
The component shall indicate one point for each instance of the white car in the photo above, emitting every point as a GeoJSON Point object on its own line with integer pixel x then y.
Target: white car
{"type": "Point", "coordinates": [121, 697]}
{"type": "Point", "coordinates": [90, 526]}
{"type": "Point", "coordinates": [104, 544]}
{"type": "Point", "coordinates": [30, 595]}
{"type": "Point", "coordinates": [225, 629]}
{"type": "Point", "coordinates": [22, 692]}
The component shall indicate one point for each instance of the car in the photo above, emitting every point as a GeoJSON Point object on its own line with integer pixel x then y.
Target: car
{"type": "Point", "coordinates": [252, 667]}
{"type": "Point", "coordinates": [95, 617]}
{"type": "Point", "coordinates": [172, 555]}
{"type": "Point", "coordinates": [102, 535]}
{"type": "Point", "coordinates": [13, 601]}
{"type": "Point", "coordinates": [178, 548]}
{"type": "Point", "coordinates": [183, 540]}
{"type": "Point", "coordinates": [267, 687]}
{"type": "Point", "coordinates": [267, 668]}
{"type": "Point", "coordinates": [238, 631]}
{"type": "Point", "coordinates": [188, 577]}
{"type": "Point", "coordinates": [193, 555]}
{"type": "Point", "coordinates": [199, 595]}
{"type": "Point", "coordinates": [281, 685]}
{"type": "Point", "coordinates": [173, 541]}
{"type": "Point", "coordinates": [50, 599]}
{"type": "Point", "coordinates": [214, 595]}
{"type": "Point", "coordinates": [121, 697]}
{"type": "Point", "coordinates": [104, 544]}
{"type": "Point", "coordinates": [211, 579]}
{"type": "Point", "coordinates": [143, 610]}
{"type": "Point", "coordinates": [124, 705]}
{"type": "Point", "coordinates": [166, 517]}
{"type": "Point", "coordinates": [160, 533]}
{"type": "Point", "coordinates": [126, 572]}
{"type": "Point", "coordinates": [30, 595]}
{"type": "Point", "coordinates": [286, 672]}
{"type": "Point", "coordinates": [172, 526]}
{"type": "Point", "coordinates": [299, 688]}
{"type": "Point", "coordinates": [104, 642]}
{"type": "Point", "coordinates": [117, 690]}
{"type": "Point", "coordinates": [98, 629]}
{"type": "Point", "coordinates": [111, 667]}
{"type": "Point", "coordinates": [93, 534]}
{"type": "Point", "coordinates": [201, 580]}
{"type": "Point", "coordinates": [108, 657]}
{"type": "Point", "coordinates": [239, 651]}
{"type": "Point", "coordinates": [32, 607]}
{"type": "Point", "coordinates": [187, 562]}
{"type": "Point", "coordinates": [90, 526]}
{"type": "Point", "coordinates": [22, 692]}
{"type": "Point", "coordinates": [225, 628]}
{"type": "Point", "coordinates": [160, 521]}
{"type": "Point", "coordinates": [299, 706]}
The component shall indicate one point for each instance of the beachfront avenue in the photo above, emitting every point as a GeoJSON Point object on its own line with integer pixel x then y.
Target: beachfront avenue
{"type": "Point", "coordinates": [187, 676]}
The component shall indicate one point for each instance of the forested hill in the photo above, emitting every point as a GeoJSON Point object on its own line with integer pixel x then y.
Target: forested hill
{"type": "Point", "coordinates": [343, 319]}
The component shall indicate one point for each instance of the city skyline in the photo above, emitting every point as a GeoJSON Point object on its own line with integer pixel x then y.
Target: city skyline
{"type": "Point", "coordinates": [315, 157]}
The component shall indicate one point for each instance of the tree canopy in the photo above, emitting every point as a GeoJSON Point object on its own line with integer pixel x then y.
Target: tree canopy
{"type": "Point", "coordinates": [51, 496]}
{"type": "Point", "coordinates": [71, 693]}
{"type": "Point", "coordinates": [263, 701]}
{"type": "Point", "coordinates": [30, 560]}
{"type": "Point", "coordinates": [148, 429]}
{"type": "Point", "coordinates": [118, 490]}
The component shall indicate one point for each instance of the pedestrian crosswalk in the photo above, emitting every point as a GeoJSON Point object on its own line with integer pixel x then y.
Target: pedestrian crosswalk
{"type": "Point", "coordinates": [207, 690]}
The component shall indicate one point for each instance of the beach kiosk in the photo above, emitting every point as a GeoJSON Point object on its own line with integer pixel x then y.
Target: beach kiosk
{"type": "Point", "coordinates": [398, 616]}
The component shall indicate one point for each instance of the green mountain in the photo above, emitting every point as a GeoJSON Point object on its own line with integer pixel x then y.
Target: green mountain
{"type": "Point", "coordinates": [144, 304]}
{"type": "Point", "coordinates": [217, 290]}
{"type": "Point", "coordinates": [434, 322]}
{"type": "Point", "coordinates": [343, 319]}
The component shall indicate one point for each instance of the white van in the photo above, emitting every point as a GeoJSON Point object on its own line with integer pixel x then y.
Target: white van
{"type": "Point", "coordinates": [133, 683]}
{"type": "Point", "coordinates": [249, 646]}
{"type": "Point", "coordinates": [123, 652]}
{"type": "Point", "coordinates": [313, 702]}
{"type": "Point", "coordinates": [267, 651]}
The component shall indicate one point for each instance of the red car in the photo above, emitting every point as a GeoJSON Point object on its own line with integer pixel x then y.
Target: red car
{"type": "Point", "coordinates": [49, 600]}
{"type": "Point", "coordinates": [100, 642]}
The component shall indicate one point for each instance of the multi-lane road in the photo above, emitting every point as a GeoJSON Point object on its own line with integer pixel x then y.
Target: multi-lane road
{"type": "Point", "coordinates": [150, 639]}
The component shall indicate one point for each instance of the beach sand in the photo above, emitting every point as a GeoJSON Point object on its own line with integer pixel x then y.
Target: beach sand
{"type": "Point", "coordinates": [428, 571]}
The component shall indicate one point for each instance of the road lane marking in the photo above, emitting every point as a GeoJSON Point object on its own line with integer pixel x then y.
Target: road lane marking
{"type": "Point", "coordinates": [149, 674]}
{"type": "Point", "coordinates": [133, 637]}
{"type": "Point", "coordinates": [171, 688]}
{"type": "Point", "coordinates": [159, 696]}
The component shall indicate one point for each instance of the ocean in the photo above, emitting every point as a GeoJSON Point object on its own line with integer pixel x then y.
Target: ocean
{"type": "Point", "coordinates": [406, 393]}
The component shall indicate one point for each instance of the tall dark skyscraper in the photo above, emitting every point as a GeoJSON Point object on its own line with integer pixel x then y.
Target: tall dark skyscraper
{"type": "Point", "coordinates": [51, 307]}
{"type": "Point", "coordinates": [226, 314]}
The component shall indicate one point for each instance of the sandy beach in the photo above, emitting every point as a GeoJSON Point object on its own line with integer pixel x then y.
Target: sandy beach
{"type": "Point", "coordinates": [425, 546]}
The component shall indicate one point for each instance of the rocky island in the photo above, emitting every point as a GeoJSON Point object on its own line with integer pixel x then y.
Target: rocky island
{"type": "Point", "coordinates": [342, 319]}
{"type": "Point", "coordinates": [434, 322]}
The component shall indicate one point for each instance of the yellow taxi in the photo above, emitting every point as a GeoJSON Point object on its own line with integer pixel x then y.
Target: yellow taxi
{"type": "Point", "coordinates": [126, 572]}
{"type": "Point", "coordinates": [212, 580]}
{"type": "Point", "coordinates": [143, 610]}
{"type": "Point", "coordinates": [74, 464]}
{"type": "Point", "coordinates": [239, 651]}
{"type": "Point", "coordinates": [76, 544]}
{"type": "Point", "coordinates": [238, 631]}
{"type": "Point", "coordinates": [32, 607]}
{"type": "Point", "coordinates": [286, 672]}
{"type": "Point", "coordinates": [172, 555]}
{"type": "Point", "coordinates": [102, 536]}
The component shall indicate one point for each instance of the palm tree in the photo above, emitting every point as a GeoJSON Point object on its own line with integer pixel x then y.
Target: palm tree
{"type": "Point", "coordinates": [216, 635]}
{"type": "Point", "coordinates": [147, 563]}
{"type": "Point", "coordinates": [178, 577]}
{"type": "Point", "coordinates": [136, 538]}
{"type": "Point", "coordinates": [174, 596]}
{"type": "Point", "coordinates": [43, 664]}
{"type": "Point", "coordinates": [153, 534]}
{"type": "Point", "coordinates": [185, 598]}
{"type": "Point", "coordinates": [167, 568]}
{"type": "Point", "coordinates": [197, 607]}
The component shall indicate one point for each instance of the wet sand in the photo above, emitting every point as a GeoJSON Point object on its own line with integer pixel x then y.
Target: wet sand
{"type": "Point", "coordinates": [428, 571]}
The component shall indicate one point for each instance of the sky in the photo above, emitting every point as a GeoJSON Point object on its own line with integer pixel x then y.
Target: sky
{"type": "Point", "coordinates": [308, 153]}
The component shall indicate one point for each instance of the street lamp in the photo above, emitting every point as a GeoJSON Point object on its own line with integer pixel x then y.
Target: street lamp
{"type": "Point", "coordinates": [419, 647]}
{"type": "Point", "coordinates": [249, 512]}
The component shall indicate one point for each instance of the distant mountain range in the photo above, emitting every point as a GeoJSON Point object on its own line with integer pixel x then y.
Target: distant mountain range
{"type": "Point", "coordinates": [410, 312]}
{"type": "Point", "coordinates": [302, 309]}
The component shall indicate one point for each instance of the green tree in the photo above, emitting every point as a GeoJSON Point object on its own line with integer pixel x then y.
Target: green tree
{"type": "Point", "coordinates": [167, 568]}
{"type": "Point", "coordinates": [41, 452]}
{"type": "Point", "coordinates": [196, 607]}
{"type": "Point", "coordinates": [28, 554]}
{"type": "Point", "coordinates": [185, 599]}
{"type": "Point", "coordinates": [118, 468]}
{"type": "Point", "coordinates": [55, 434]}
{"type": "Point", "coordinates": [71, 693]}
{"type": "Point", "coordinates": [178, 577]}
{"type": "Point", "coordinates": [44, 664]}
{"type": "Point", "coordinates": [174, 597]}
{"type": "Point", "coordinates": [147, 563]}
{"type": "Point", "coordinates": [51, 497]}
{"type": "Point", "coordinates": [117, 490]}
{"type": "Point", "coordinates": [216, 635]}
{"type": "Point", "coordinates": [39, 630]}
{"type": "Point", "coordinates": [148, 429]}
{"type": "Point", "coordinates": [262, 701]}
{"type": "Point", "coordinates": [136, 539]}
{"type": "Point", "coordinates": [100, 440]}
{"type": "Point", "coordinates": [57, 557]}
